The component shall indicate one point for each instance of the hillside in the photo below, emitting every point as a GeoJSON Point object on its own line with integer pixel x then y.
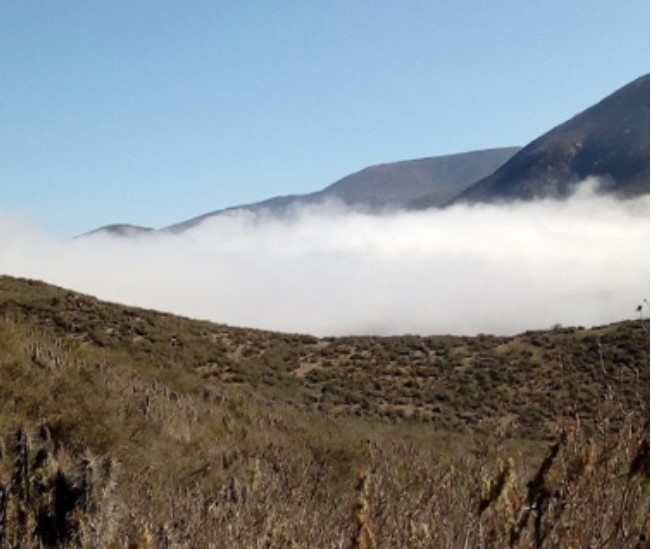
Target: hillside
{"type": "Point", "coordinates": [453, 383]}
{"type": "Point", "coordinates": [177, 424]}
{"type": "Point", "coordinates": [610, 140]}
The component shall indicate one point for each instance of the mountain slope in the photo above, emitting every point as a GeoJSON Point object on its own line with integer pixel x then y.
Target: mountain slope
{"type": "Point", "coordinates": [388, 186]}
{"type": "Point", "coordinates": [610, 140]}
{"type": "Point", "coordinates": [391, 185]}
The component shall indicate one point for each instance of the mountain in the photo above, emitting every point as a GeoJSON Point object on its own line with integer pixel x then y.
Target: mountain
{"type": "Point", "coordinates": [121, 229]}
{"type": "Point", "coordinates": [393, 185]}
{"type": "Point", "coordinates": [388, 186]}
{"type": "Point", "coordinates": [610, 140]}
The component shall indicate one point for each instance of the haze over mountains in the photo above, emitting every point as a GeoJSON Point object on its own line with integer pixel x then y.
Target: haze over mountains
{"type": "Point", "coordinates": [365, 264]}
{"type": "Point", "coordinates": [610, 141]}
{"type": "Point", "coordinates": [494, 268]}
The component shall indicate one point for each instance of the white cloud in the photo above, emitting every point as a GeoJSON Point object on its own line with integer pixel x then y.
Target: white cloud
{"type": "Point", "coordinates": [326, 270]}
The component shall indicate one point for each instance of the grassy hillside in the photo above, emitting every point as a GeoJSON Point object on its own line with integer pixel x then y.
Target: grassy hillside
{"type": "Point", "coordinates": [130, 427]}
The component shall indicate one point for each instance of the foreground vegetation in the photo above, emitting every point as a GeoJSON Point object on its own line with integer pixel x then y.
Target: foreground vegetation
{"type": "Point", "coordinates": [126, 427]}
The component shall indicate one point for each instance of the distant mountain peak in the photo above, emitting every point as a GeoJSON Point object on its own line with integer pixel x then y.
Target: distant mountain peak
{"type": "Point", "coordinates": [121, 230]}
{"type": "Point", "coordinates": [610, 140]}
{"type": "Point", "coordinates": [388, 186]}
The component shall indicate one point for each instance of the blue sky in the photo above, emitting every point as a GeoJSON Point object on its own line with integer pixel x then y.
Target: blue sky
{"type": "Point", "coordinates": [152, 112]}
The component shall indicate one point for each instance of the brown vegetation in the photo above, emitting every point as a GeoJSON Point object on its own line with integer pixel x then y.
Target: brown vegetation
{"type": "Point", "coordinates": [126, 427]}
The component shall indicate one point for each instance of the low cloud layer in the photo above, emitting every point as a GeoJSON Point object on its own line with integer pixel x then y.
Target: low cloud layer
{"type": "Point", "coordinates": [329, 271]}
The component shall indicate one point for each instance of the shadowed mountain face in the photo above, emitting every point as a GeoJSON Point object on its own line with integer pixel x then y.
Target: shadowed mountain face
{"type": "Point", "coordinates": [389, 186]}
{"type": "Point", "coordinates": [610, 140]}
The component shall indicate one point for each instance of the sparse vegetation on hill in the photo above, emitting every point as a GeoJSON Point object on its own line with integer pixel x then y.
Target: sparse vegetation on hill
{"type": "Point", "coordinates": [125, 427]}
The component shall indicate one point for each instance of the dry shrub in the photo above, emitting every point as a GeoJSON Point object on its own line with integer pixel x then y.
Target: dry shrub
{"type": "Point", "coordinates": [50, 499]}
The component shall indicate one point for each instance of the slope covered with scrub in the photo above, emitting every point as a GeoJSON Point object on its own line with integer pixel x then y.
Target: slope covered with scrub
{"type": "Point", "coordinates": [126, 426]}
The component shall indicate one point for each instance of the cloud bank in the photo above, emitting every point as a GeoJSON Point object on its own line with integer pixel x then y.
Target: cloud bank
{"type": "Point", "coordinates": [327, 270]}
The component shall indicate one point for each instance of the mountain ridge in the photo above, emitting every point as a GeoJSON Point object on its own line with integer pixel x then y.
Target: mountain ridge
{"type": "Point", "coordinates": [609, 140]}
{"type": "Point", "coordinates": [375, 188]}
{"type": "Point", "coordinates": [385, 186]}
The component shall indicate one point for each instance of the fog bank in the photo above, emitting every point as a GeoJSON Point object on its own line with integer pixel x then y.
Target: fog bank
{"type": "Point", "coordinates": [326, 270]}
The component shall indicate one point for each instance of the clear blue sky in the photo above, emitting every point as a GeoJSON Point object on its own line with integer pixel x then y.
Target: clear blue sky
{"type": "Point", "coordinates": [152, 112]}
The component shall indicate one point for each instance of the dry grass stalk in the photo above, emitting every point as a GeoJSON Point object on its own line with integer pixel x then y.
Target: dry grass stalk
{"type": "Point", "coordinates": [365, 538]}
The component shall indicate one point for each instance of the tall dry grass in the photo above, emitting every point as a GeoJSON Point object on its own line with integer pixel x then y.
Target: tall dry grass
{"type": "Point", "coordinates": [583, 492]}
